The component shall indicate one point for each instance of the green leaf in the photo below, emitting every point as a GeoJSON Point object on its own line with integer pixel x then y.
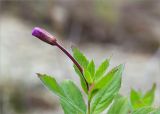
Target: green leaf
{"type": "Point", "coordinates": [91, 68]}
{"type": "Point", "coordinates": [143, 110]}
{"type": "Point", "coordinates": [69, 94]}
{"type": "Point", "coordinates": [51, 84]}
{"type": "Point", "coordinates": [74, 95]}
{"type": "Point", "coordinates": [108, 77]}
{"type": "Point", "coordinates": [149, 96]}
{"type": "Point", "coordinates": [120, 106]}
{"type": "Point", "coordinates": [104, 81]}
{"type": "Point", "coordinates": [136, 99]}
{"type": "Point", "coordinates": [88, 76]}
{"type": "Point", "coordinates": [83, 83]}
{"type": "Point", "coordinates": [105, 95]}
{"type": "Point", "coordinates": [80, 58]}
{"type": "Point", "coordinates": [101, 70]}
{"type": "Point", "coordinates": [67, 108]}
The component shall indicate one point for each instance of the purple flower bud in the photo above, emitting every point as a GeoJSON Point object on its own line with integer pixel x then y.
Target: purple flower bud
{"type": "Point", "coordinates": [44, 35]}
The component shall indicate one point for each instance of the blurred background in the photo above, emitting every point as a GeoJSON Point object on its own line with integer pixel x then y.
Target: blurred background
{"type": "Point", "coordinates": [126, 30]}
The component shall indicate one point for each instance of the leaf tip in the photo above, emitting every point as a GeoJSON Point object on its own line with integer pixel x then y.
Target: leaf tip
{"type": "Point", "coordinates": [122, 66]}
{"type": "Point", "coordinates": [110, 57]}
{"type": "Point", "coordinates": [39, 75]}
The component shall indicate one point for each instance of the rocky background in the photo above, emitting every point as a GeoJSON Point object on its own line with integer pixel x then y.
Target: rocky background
{"type": "Point", "coordinates": [127, 30]}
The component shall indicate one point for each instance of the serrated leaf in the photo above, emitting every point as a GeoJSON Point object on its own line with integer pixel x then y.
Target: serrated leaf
{"type": "Point", "coordinates": [88, 76]}
{"type": "Point", "coordinates": [74, 95]}
{"type": "Point", "coordinates": [120, 106]}
{"type": "Point", "coordinates": [143, 110]}
{"type": "Point", "coordinates": [101, 70]}
{"type": "Point", "coordinates": [67, 108]}
{"type": "Point", "coordinates": [104, 81]}
{"type": "Point", "coordinates": [51, 84]}
{"type": "Point", "coordinates": [83, 83]}
{"type": "Point", "coordinates": [149, 96]}
{"type": "Point", "coordinates": [91, 68]}
{"type": "Point", "coordinates": [108, 77]}
{"type": "Point", "coordinates": [80, 58]}
{"type": "Point", "coordinates": [64, 95]}
{"type": "Point", "coordinates": [105, 95]}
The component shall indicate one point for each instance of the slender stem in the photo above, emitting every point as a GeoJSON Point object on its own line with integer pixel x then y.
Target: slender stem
{"type": "Point", "coordinates": [79, 67]}
{"type": "Point", "coordinates": [73, 60]}
{"type": "Point", "coordinates": [89, 107]}
{"type": "Point", "coordinates": [69, 55]}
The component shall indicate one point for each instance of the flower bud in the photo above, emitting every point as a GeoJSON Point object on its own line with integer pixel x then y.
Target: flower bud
{"type": "Point", "coordinates": [44, 35]}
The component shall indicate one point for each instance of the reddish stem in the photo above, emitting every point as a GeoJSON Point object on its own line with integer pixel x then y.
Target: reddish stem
{"type": "Point", "coordinates": [73, 60]}
{"type": "Point", "coordinates": [69, 55]}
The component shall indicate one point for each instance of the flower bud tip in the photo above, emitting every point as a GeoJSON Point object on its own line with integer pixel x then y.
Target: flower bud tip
{"type": "Point", "coordinates": [44, 35]}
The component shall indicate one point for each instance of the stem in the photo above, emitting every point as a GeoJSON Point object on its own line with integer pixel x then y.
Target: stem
{"type": "Point", "coordinates": [89, 97]}
{"type": "Point", "coordinates": [74, 61]}
{"type": "Point", "coordinates": [79, 67]}
{"type": "Point", "coordinates": [69, 55]}
{"type": "Point", "coordinates": [89, 106]}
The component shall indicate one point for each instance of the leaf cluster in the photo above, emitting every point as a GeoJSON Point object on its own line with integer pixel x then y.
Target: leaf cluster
{"type": "Point", "coordinates": [101, 88]}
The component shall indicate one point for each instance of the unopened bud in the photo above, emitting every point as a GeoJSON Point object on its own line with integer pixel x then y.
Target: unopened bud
{"type": "Point", "coordinates": [44, 35]}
